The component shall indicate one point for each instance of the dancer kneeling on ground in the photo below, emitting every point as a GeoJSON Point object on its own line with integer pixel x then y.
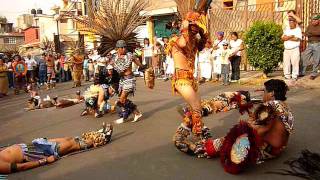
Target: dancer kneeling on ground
{"type": "Point", "coordinates": [44, 151]}
{"type": "Point", "coordinates": [96, 98]}
{"type": "Point", "coordinates": [262, 136]}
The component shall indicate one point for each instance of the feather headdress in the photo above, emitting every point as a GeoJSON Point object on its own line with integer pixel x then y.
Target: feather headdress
{"type": "Point", "coordinates": [186, 6]}
{"type": "Point", "coordinates": [194, 11]}
{"type": "Point", "coordinates": [115, 20]}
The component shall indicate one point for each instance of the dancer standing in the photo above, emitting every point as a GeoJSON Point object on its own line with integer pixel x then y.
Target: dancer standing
{"type": "Point", "coordinates": [183, 50]}
{"type": "Point", "coordinates": [116, 30]}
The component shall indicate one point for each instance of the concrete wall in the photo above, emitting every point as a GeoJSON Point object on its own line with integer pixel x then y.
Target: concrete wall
{"type": "Point", "coordinates": [47, 27]}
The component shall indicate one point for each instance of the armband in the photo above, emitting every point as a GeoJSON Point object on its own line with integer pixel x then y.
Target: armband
{"type": "Point", "coordinates": [13, 167]}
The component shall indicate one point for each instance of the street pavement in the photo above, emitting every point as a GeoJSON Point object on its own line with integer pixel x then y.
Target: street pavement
{"type": "Point", "coordinates": [144, 150]}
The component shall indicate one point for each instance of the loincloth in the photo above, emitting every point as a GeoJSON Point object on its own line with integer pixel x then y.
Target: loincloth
{"type": "Point", "coordinates": [127, 84]}
{"type": "Point", "coordinates": [183, 77]}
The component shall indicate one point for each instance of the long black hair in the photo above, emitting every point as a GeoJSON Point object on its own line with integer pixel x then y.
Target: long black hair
{"type": "Point", "coordinates": [278, 87]}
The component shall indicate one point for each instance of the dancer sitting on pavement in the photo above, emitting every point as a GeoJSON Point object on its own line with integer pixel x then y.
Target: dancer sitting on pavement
{"type": "Point", "coordinates": [42, 151]}
{"type": "Point", "coordinates": [96, 98]}
{"type": "Point", "coordinates": [263, 135]}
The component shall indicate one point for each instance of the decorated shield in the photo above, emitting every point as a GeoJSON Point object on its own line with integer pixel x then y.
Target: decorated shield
{"type": "Point", "coordinates": [20, 69]}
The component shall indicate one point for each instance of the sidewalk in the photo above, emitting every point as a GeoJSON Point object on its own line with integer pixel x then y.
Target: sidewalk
{"type": "Point", "coordinates": [256, 78]}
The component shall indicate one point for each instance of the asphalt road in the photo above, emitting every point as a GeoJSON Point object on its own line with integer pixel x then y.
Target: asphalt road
{"type": "Point", "coordinates": [144, 150]}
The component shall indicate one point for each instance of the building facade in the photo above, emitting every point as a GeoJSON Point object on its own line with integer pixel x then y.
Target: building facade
{"type": "Point", "coordinates": [24, 21]}
{"type": "Point", "coordinates": [10, 42]}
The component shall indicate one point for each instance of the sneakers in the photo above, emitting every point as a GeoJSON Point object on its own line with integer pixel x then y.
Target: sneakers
{"type": "Point", "coordinates": [119, 121]}
{"type": "Point", "coordinates": [137, 117]}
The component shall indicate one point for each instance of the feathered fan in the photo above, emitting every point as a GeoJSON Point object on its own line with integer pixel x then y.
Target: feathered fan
{"type": "Point", "coordinates": [115, 20]}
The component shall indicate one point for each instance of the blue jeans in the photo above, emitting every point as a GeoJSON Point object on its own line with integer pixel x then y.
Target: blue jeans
{"type": "Point", "coordinates": [48, 148]}
{"type": "Point", "coordinates": [225, 70]}
{"type": "Point", "coordinates": [11, 79]}
{"type": "Point", "coordinates": [311, 56]}
{"type": "Point", "coordinates": [42, 76]}
{"type": "Point", "coordinates": [62, 75]}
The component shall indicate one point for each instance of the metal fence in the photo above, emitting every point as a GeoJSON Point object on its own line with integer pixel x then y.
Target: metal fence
{"type": "Point", "coordinates": [240, 18]}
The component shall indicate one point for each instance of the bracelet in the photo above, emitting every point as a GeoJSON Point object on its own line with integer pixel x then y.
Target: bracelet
{"type": "Point", "coordinates": [42, 161]}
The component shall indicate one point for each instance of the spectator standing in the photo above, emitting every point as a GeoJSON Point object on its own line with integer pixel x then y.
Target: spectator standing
{"type": "Point", "coordinates": [291, 55]}
{"type": "Point", "coordinates": [90, 69]}
{"type": "Point", "coordinates": [236, 46]}
{"type": "Point", "coordinates": [216, 64]}
{"type": "Point", "coordinates": [205, 57]}
{"type": "Point", "coordinates": [10, 73]}
{"type": "Point", "coordinates": [20, 71]}
{"type": "Point", "coordinates": [31, 65]}
{"type": "Point", "coordinates": [224, 55]}
{"type": "Point", "coordinates": [86, 68]}
{"type": "Point", "coordinates": [42, 70]}
{"type": "Point", "coordinates": [156, 56]}
{"type": "Point", "coordinates": [312, 54]}
{"type": "Point", "coordinates": [4, 84]}
{"type": "Point", "coordinates": [147, 53]}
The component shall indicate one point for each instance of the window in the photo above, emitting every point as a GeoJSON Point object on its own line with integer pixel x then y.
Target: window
{"type": "Point", "coordinates": [10, 40]}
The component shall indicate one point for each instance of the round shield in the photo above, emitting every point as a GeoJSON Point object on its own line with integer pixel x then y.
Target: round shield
{"type": "Point", "coordinates": [20, 68]}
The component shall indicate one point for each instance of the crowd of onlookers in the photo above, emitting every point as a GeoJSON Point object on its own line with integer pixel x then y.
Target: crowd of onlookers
{"type": "Point", "coordinates": [19, 72]}
{"type": "Point", "coordinates": [296, 62]}
{"type": "Point", "coordinates": [218, 61]}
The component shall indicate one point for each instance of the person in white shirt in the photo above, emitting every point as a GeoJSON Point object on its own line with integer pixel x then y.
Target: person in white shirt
{"type": "Point", "coordinates": [224, 55]}
{"type": "Point", "coordinates": [31, 65]}
{"type": "Point", "coordinates": [147, 53]}
{"type": "Point", "coordinates": [236, 46]}
{"type": "Point", "coordinates": [217, 45]}
{"type": "Point", "coordinates": [205, 57]}
{"type": "Point", "coordinates": [291, 55]}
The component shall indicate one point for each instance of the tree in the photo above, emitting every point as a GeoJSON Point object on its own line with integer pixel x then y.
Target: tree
{"type": "Point", "coordinates": [264, 46]}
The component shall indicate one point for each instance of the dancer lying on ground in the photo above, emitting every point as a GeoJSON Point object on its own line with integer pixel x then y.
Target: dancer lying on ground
{"type": "Point", "coordinates": [35, 102]}
{"type": "Point", "coordinates": [263, 135]}
{"type": "Point", "coordinates": [44, 151]}
{"type": "Point", "coordinates": [221, 103]}
{"type": "Point", "coordinates": [96, 99]}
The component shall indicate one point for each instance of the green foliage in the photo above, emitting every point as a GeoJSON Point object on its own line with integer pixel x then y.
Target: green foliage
{"type": "Point", "coordinates": [264, 46]}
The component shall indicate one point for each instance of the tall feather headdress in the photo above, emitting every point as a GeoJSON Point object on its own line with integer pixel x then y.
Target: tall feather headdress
{"type": "Point", "coordinates": [186, 6]}
{"type": "Point", "coordinates": [115, 20]}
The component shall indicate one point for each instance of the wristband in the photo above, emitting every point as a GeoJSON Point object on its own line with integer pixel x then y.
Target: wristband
{"type": "Point", "coordinates": [13, 167]}
{"type": "Point", "coordinates": [42, 161]}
